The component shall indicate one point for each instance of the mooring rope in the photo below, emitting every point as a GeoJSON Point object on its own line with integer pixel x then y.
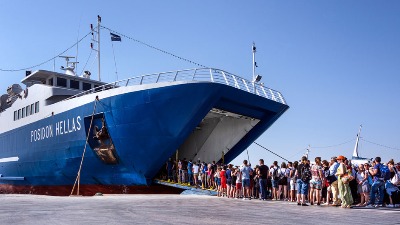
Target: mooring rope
{"type": "Point", "coordinates": [78, 177]}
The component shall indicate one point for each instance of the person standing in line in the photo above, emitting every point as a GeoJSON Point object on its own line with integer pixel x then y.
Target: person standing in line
{"type": "Point", "coordinates": [217, 177]}
{"type": "Point", "coordinates": [238, 183]}
{"type": "Point", "coordinates": [263, 171]}
{"type": "Point", "coordinates": [316, 181]}
{"type": "Point", "coordinates": [275, 178]}
{"type": "Point", "coordinates": [223, 181]}
{"type": "Point", "coordinates": [190, 172]}
{"type": "Point", "coordinates": [246, 170]}
{"type": "Point", "coordinates": [282, 182]}
{"type": "Point", "coordinates": [228, 175]}
{"type": "Point", "coordinates": [334, 185]}
{"type": "Point", "coordinates": [180, 171]}
{"type": "Point", "coordinates": [233, 187]}
{"type": "Point", "coordinates": [293, 184]}
{"type": "Point", "coordinates": [378, 184]}
{"type": "Point", "coordinates": [344, 175]}
{"type": "Point", "coordinates": [184, 171]}
{"type": "Point", "coordinates": [363, 186]}
{"type": "Point", "coordinates": [195, 169]}
{"type": "Point", "coordinates": [303, 175]}
{"type": "Point", "coordinates": [210, 176]}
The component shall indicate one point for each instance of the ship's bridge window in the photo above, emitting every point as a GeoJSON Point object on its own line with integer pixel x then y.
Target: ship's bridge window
{"type": "Point", "coordinates": [19, 114]}
{"type": "Point", "coordinates": [36, 107]}
{"type": "Point", "coordinates": [86, 86]}
{"type": "Point", "coordinates": [23, 112]}
{"type": "Point", "coordinates": [61, 82]}
{"type": "Point", "coordinates": [15, 115]}
{"type": "Point", "coordinates": [32, 109]}
{"type": "Point", "coordinates": [74, 84]}
{"type": "Point", "coordinates": [50, 81]}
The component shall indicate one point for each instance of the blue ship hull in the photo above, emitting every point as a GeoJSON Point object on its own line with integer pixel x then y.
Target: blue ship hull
{"type": "Point", "coordinates": [146, 127]}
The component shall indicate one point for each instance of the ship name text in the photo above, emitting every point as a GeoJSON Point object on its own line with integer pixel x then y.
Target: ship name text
{"type": "Point", "coordinates": [59, 128]}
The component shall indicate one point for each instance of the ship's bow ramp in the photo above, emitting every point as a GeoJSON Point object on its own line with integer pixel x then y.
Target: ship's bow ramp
{"type": "Point", "coordinates": [234, 120]}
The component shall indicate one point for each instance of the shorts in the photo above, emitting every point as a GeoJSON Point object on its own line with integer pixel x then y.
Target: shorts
{"type": "Point", "coordinates": [302, 187]}
{"type": "Point", "coordinates": [363, 188]}
{"type": "Point", "coordinates": [246, 183]}
{"type": "Point", "coordinates": [282, 181]}
{"type": "Point", "coordinates": [218, 181]}
{"type": "Point", "coordinates": [195, 174]}
{"type": "Point", "coordinates": [238, 186]}
{"type": "Point", "coordinates": [274, 183]}
{"type": "Point", "coordinates": [229, 182]}
{"type": "Point", "coordinates": [293, 186]}
{"type": "Point", "coordinates": [316, 184]}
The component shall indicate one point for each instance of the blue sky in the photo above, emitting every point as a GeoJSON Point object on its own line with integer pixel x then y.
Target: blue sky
{"type": "Point", "coordinates": [337, 63]}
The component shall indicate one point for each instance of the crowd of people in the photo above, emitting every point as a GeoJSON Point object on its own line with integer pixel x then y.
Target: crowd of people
{"type": "Point", "coordinates": [337, 182]}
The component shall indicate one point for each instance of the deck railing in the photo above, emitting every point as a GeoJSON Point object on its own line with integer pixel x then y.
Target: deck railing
{"type": "Point", "coordinates": [202, 74]}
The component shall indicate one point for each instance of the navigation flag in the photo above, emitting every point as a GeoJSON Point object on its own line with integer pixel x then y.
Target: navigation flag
{"type": "Point", "coordinates": [115, 37]}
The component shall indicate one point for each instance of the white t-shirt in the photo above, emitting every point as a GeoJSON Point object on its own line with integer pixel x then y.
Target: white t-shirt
{"type": "Point", "coordinates": [195, 168]}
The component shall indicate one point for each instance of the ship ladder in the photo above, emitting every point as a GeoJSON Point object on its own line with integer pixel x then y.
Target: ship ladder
{"type": "Point", "coordinates": [78, 177]}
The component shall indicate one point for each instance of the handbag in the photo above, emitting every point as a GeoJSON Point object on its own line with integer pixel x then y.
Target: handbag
{"type": "Point", "coordinates": [396, 178]}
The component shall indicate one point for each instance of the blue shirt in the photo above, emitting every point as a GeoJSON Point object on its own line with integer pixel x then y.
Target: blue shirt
{"type": "Point", "coordinates": [245, 172]}
{"type": "Point", "coordinates": [333, 169]}
{"type": "Point", "coordinates": [378, 174]}
{"type": "Point", "coordinates": [228, 174]}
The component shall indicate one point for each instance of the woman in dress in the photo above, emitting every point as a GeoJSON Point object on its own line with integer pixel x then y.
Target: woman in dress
{"type": "Point", "coordinates": [344, 177]}
{"type": "Point", "coordinates": [222, 175]}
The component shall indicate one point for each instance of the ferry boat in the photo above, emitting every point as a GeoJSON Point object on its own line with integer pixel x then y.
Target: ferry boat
{"type": "Point", "coordinates": [114, 137]}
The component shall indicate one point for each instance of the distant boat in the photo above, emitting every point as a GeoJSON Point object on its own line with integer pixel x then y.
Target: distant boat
{"type": "Point", "coordinates": [356, 159]}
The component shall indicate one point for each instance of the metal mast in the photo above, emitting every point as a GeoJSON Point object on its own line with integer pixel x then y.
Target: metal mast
{"type": "Point", "coordinates": [254, 61]}
{"type": "Point", "coordinates": [355, 152]}
{"type": "Point", "coordinates": [98, 43]}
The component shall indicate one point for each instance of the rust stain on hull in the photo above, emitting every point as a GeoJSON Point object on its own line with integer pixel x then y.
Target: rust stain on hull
{"type": "Point", "coordinates": [88, 190]}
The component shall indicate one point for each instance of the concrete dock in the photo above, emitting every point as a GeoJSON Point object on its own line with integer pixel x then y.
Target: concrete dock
{"type": "Point", "coordinates": [178, 209]}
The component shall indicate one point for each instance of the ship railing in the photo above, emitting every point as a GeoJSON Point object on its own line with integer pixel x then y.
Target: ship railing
{"type": "Point", "coordinates": [199, 74]}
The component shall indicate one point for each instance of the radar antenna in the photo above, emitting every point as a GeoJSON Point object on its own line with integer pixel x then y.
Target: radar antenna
{"type": "Point", "coordinates": [70, 66]}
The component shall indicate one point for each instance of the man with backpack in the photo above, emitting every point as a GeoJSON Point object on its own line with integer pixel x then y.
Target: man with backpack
{"type": "Point", "coordinates": [379, 172]}
{"type": "Point", "coordinates": [303, 174]}
{"type": "Point", "coordinates": [275, 178]}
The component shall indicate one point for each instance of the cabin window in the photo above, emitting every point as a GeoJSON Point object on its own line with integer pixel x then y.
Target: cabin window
{"type": "Point", "coordinates": [19, 114]}
{"type": "Point", "coordinates": [27, 110]}
{"type": "Point", "coordinates": [86, 86]}
{"type": "Point", "coordinates": [36, 107]}
{"type": "Point", "coordinates": [32, 109]}
{"type": "Point", "coordinates": [15, 115]}
{"type": "Point", "coordinates": [23, 113]}
{"type": "Point", "coordinates": [51, 81]}
{"type": "Point", "coordinates": [61, 82]}
{"type": "Point", "coordinates": [74, 84]}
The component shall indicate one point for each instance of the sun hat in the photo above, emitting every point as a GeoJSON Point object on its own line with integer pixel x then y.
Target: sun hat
{"type": "Point", "coordinates": [340, 157]}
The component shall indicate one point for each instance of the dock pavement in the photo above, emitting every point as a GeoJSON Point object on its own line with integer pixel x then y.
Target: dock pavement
{"type": "Point", "coordinates": [178, 209]}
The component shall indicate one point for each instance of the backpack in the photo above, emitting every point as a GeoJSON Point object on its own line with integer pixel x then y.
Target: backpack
{"type": "Point", "coordinates": [275, 174]}
{"type": "Point", "coordinates": [306, 173]}
{"type": "Point", "coordinates": [385, 172]}
{"type": "Point", "coordinates": [330, 178]}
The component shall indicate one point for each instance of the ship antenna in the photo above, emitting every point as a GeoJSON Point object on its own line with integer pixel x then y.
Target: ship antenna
{"type": "Point", "coordinates": [355, 153]}
{"type": "Point", "coordinates": [254, 60]}
{"type": "Point", "coordinates": [98, 43]}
